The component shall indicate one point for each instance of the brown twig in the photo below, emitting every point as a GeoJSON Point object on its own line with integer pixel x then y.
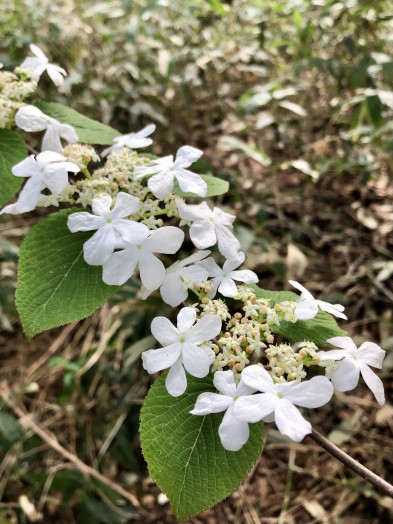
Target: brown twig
{"type": "Point", "coordinates": [368, 475]}
{"type": "Point", "coordinates": [27, 421]}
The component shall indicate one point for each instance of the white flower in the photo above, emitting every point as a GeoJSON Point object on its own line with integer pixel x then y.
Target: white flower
{"type": "Point", "coordinates": [47, 169]}
{"type": "Point", "coordinates": [223, 279]}
{"type": "Point", "coordinates": [233, 432]}
{"type": "Point", "coordinates": [280, 400]}
{"type": "Point", "coordinates": [39, 63]}
{"type": "Point", "coordinates": [111, 227]}
{"type": "Point", "coordinates": [132, 140]}
{"type": "Point", "coordinates": [32, 120]}
{"type": "Point", "coordinates": [139, 251]}
{"type": "Point", "coordinates": [165, 170]}
{"type": "Point", "coordinates": [210, 227]}
{"type": "Point", "coordinates": [307, 306]}
{"type": "Point", "coordinates": [173, 291]}
{"type": "Point", "coordinates": [352, 361]}
{"type": "Point", "coordinates": [182, 347]}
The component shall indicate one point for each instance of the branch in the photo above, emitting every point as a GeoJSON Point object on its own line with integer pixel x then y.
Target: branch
{"type": "Point", "coordinates": [368, 475]}
{"type": "Point", "coordinates": [27, 422]}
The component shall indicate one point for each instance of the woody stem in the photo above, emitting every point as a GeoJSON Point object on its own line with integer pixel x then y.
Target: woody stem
{"type": "Point", "coordinates": [368, 475]}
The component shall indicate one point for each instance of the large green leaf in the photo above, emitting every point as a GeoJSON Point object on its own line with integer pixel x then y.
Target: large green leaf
{"type": "Point", "coordinates": [184, 453]}
{"type": "Point", "coordinates": [12, 151]}
{"type": "Point", "coordinates": [319, 329]}
{"type": "Point", "coordinates": [55, 285]}
{"type": "Point", "coordinates": [88, 130]}
{"type": "Point", "coordinates": [215, 186]}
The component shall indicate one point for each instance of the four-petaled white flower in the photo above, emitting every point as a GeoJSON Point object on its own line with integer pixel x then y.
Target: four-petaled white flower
{"type": "Point", "coordinates": [307, 305]}
{"type": "Point", "coordinates": [39, 63]}
{"type": "Point", "coordinates": [32, 120]}
{"type": "Point", "coordinates": [182, 347]}
{"type": "Point", "coordinates": [48, 169]}
{"type": "Point", "coordinates": [121, 265]}
{"type": "Point", "coordinates": [112, 228]}
{"type": "Point", "coordinates": [210, 227]}
{"type": "Point", "coordinates": [350, 362]}
{"type": "Point", "coordinates": [233, 431]}
{"type": "Point", "coordinates": [132, 140]}
{"type": "Point", "coordinates": [165, 170]}
{"type": "Point", "coordinates": [173, 291]}
{"type": "Point", "coordinates": [280, 400]}
{"type": "Point", "coordinates": [223, 279]}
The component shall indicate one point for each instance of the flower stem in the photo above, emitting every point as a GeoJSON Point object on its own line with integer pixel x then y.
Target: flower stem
{"type": "Point", "coordinates": [368, 475]}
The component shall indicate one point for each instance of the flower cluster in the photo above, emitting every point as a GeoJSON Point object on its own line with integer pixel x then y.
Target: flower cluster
{"type": "Point", "coordinates": [131, 206]}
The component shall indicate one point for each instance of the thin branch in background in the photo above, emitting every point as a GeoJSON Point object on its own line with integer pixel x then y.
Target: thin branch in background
{"type": "Point", "coordinates": [368, 475]}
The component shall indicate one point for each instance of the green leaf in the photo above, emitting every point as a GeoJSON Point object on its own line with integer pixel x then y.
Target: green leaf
{"type": "Point", "coordinates": [12, 151]}
{"type": "Point", "coordinates": [217, 7]}
{"type": "Point", "coordinates": [10, 428]}
{"type": "Point", "coordinates": [184, 453]}
{"type": "Point", "coordinates": [215, 186]}
{"type": "Point", "coordinates": [56, 286]}
{"type": "Point", "coordinates": [88, 130]}
{"type": "Point", "coordinates": [319, 329]}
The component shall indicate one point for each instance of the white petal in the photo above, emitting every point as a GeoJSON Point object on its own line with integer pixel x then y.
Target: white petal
{"type": "Point", "coordinates": [186, 155]}
{"type": "Point", "coordinates": [228, 245]}
{"type": "Point", "coordinates": [371, 354]}
{"type": "Point", "coordinates": [98, 249]}
{"type": "Point", "coordinates": [211, 403]}
{"type": "Point", "coordinates": [30, 194]}
{"type": "Point", "coordinates": [172, 291]}
{"type": "Point", "coordinates": [245, 275]}
{"type": "Point", "coordinates": [221, 217]}
{"type": "Point", "coordinates": [27, 167]}
{"type": "Point", "coordinates": [259, 379]}
{"type": "Point", "coordinates": [67, 132]}
{"type": "Point", "coordinates": [227, 287]}
{"type": "Point", "coordinates": [306, 309]}
{"type": "Point", "coordinates": [161, 184]}
{"type": "Point", "coordinates": [101, 205]}
{"type": "Point", "coordinates": [242, 389]}
{"type": "Point", "coordinates": [312, 393]}
{"type": "Point", "coordinates": [82, 221]}
{"type": "Point", "coordinates": [195, 273]}
{"type": "Point", "coordinates": [12, 209]}
{"type": "Point", "coordinates": [176, 380]}
{"type": "Point", "coordinates": [346, 376]}
{"type": "Point", "coordinates": [373, 382]}
{"type": "Point", "coordinates": [331, 308]}
{"type": "Point", "coordinates": [146, 131]}
{"type": "Point", "coordinates": [186, 319]}
{"type": "Point", "coordinates": [167, 239]}
{"type": "Point", "coordinates": [51, 140]}
{"type": "Point", "coordinates": [335, 354]}
{"type": "Point", "coordinates": [129, 232]}
{"type": "Point", "coordinates": [211, 267]}
{"type": "Point", "coordinates": [195, 257]}
{"type": "Point", "coordinates": [31, 119]}
{"type": "Point", "coordinates": [290, 422]}
{"type": "Point", "coordinates": [38, 53]}
{"type": "Point", "coordinates": [151, 270]}
{"type": "Point", "coordinates": [203, 234]}
{"type": "Point", "coordinates": [155, 360]}
{"type": "Point", "coordinates": [232, 263]}
{"type": "Point", "coordinates": [55, 179]}
{"type": "Point", "coordinates": [205, 329]}
{"type": "Point", "coordinates": [191, 182]}
{"type": "Point", "coordinates": [120, 266]}
{"type": "Point", "coordinates": [195, 212]}
{"type": "Point", "coordinates": [254, 408]}
{"type": "Point", "coordinates": [306, 294]}
{"type": "Point", "coordinates": [225, 383]}
{"type": "Point", "coordinates": [233, 433]}
{"type": "Point", "coordinates": [56, 74]}
{"type": "Point", "coordinates": [196, 361]}
{"type": "Point", "coordinates": [47, 157]}
{"type": "Point", "coordinates": [164, 331]}
{"type": "Point", "coordinates": [125, 205]}
{"type": "Point", "coordinates": [343, 342]}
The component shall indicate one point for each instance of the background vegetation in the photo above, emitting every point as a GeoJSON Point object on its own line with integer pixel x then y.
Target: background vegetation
{"type": "Point", "coordinates": [292, 102]}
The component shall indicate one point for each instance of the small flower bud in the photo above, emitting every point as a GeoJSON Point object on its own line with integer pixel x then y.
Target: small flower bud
{"type": "Point", "coordinates": [238, 366]}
